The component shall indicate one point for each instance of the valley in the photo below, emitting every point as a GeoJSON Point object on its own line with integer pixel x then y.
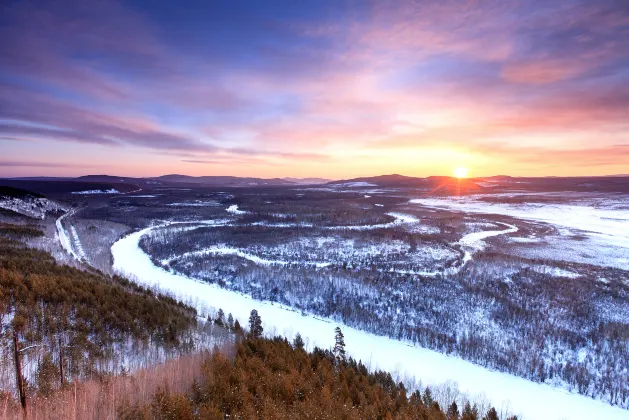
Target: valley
{"type": "Point", "coordinates": [491, 291]}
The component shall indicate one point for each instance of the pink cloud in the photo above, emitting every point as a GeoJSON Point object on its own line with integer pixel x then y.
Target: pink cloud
{"type": "Point", "coordinates": [540, 71]}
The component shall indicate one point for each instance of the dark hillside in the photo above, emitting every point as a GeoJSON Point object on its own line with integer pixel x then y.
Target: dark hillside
{"type": "Point", "coordinates": [17, 192]}
{"type": "Point", "coordinates": [65, 187]}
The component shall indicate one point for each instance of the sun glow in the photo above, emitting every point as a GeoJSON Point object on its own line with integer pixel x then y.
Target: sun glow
{"type": "Point", "coordinates": [460, 172]}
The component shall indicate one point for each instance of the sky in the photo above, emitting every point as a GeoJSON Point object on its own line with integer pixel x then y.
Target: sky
{"type": "Point", "coordinates": [333, 89]}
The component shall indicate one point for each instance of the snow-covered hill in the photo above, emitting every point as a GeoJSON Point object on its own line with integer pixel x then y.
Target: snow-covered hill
{"type": "Point", "coordinates": [29, 205]}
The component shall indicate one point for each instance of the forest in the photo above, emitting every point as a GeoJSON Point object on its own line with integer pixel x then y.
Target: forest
{"type": "Point", "coordinates": [60, 324]}
{"type": "Point", "coordinates": [76, 329]}
{"type": "Point", "coordinates": [270, 378]}
{"type": "Point", "coordinates": [504, 312]}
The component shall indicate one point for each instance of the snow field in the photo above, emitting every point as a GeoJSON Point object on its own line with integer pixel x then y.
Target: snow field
{"type": "Point", "coordinates": [604, 222]}
{"type": "Point", "coordinates": [609, 224]}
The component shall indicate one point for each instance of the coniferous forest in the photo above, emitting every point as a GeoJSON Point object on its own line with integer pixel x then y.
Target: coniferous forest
{"type": "Point", "coordinates": [274, 379]}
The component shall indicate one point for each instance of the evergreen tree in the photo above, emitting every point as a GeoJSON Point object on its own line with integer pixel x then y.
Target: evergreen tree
{"type": "Point", "coordinates": [237, 327]}
{"type": "Point", "coordinates": [298, 342]}
{"type": "Point", "coordinates": [492, 415]}
{"type": "Point", "coordinates": [427, 397]}
{"type": "Point", "coordinates": [453, 412]}
{"type": "Point", "coordinates": [255, 324]}
{"type": "Point", "coordinates": [339, 346]}
{"type": "Point", "coordinates": [469, 412]}
{"type": "Point", "coordinates": [416, 399]}
{"type": "Point", "coordinates": [47, 376]}
{"type": "Point", "coordinates": [230, 321]}
{"type": "Point", "coordinates": [220, 318]}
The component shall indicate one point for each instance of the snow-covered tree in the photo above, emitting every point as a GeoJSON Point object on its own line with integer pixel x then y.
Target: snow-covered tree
{"type": "Point", "coordinates": [339, 346]}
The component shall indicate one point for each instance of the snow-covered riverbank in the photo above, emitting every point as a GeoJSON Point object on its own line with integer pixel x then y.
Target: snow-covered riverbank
{"type": "Point", "coordinates": [64, 238]}
{"type": "Point", "coordinates": [531, 400]}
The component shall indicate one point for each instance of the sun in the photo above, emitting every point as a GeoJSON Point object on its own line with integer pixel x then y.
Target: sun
{"type": "Point", "coordinates": [460, 172]}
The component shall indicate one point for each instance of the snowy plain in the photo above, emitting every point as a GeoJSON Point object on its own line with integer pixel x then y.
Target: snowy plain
{"type": "Point", "coordinates": [531, 401]}
{"type": "Point", "coordinates": [604, 223]}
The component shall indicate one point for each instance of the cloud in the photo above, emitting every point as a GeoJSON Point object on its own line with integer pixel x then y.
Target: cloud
{"type": "Point", "coordinates": [314, 83]}
{"type": "Point", "coordinates": [539, 72]}
{"type": "Point", "coordinates": [34, 164]}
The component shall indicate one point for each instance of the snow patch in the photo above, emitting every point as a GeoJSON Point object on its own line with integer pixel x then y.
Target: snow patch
{"type": "Point", "coordinates": [555, 271]}
{"type": "Point", "coordinates": [359, 184]}
{"type": "Point", "coordinates": [91, 192]}
{"type": "Point", "coordinates": [197, 203]}
{"type": "Point", "coordinates": [233, 209]}
{"type": "Point", "coordinates": [400, 219]}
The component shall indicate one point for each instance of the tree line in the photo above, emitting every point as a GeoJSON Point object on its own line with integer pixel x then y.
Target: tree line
{"type": "Point", "coordinates": [270, 378]}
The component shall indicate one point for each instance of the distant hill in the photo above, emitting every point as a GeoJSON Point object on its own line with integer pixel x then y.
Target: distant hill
{"type": "Point", "coordinates": [11, 192]}
{"type": "Point", "coordinates": [226, 181]}
{"type": "Point", "coordinates": [308, 181]}
{"type": "Point", "coordinates": [52, 187]}
{"type": "Point", "coordinates": [436, 184]}
{"type": "Point", "coordinates": [614, 183]}
{"type": "Point", "coordinates": [112, 179]}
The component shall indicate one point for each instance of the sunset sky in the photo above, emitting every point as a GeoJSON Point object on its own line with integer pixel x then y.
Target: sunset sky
{"type": "Point", "coordinates": [304, 88]}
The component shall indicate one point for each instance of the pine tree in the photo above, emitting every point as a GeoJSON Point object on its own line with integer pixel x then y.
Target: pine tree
{"type": "Point", "coordinates": [453, 412]}
{"type": "Point", "coordinates": [469, 412]}
{"type": "Point", "coordinates": [230, 321]}
{"type": "Point", "coordinates": [220, 318]}
{"type": "Point", "coordinates": [339, 346]}
{"type": "Point", "coordinates": [416, 399]}
{"type": "Point", "coordinates": [427, 397]}
{"type": "Point", "coordinates": [255, 324]}
{"type": "Point", "coordinates": [298, 342]}
{"type": "Point", "coordinates": [492, 415]}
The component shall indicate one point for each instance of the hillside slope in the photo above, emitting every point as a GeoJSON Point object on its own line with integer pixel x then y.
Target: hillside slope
{"type": "Point", "coordinates": [27, 203]}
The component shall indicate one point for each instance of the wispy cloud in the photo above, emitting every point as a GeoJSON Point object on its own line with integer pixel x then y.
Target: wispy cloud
{"type": "Point", "coordinates": [33, 164]}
